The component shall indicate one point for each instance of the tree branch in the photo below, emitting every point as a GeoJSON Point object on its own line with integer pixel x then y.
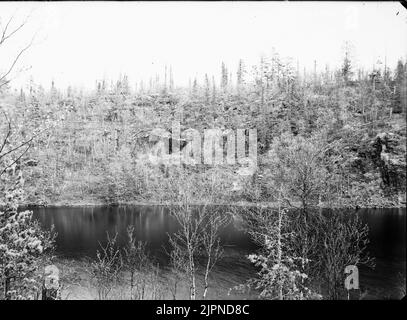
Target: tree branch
{"type": "Point", "coordinates": [8, 133]}
{"type": "Point", "coordinates": [3, 77]}
{"type": "Point", "coordinates": [15, 161]}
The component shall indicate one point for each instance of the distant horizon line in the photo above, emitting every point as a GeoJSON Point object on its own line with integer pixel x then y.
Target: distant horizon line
{"type": "Point", "coordinates": [309, 72]}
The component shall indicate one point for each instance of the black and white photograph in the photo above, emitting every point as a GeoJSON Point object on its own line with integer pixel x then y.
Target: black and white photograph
{"type": "Point", "coordinates": [175, 151]}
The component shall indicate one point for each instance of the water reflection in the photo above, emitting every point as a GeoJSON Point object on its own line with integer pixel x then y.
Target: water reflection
{"type": "Point", "coordinates": [80, 230]}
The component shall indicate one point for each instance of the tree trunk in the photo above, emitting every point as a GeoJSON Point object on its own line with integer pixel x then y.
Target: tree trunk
{"type": "Point", "coordinates": [206, 278]}
{"type": "Point", "coordinates": [279, 253]}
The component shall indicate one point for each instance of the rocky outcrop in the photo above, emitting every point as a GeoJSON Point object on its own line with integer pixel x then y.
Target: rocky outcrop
{"type": "Point", "coordinates": [388, 151]}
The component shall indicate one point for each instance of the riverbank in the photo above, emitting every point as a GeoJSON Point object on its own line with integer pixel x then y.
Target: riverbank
{"type": "Point", "coordinates": [98, 203]}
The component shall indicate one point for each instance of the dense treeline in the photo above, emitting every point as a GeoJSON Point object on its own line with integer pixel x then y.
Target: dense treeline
{"type": "Point", "coordinates": [335, 138]}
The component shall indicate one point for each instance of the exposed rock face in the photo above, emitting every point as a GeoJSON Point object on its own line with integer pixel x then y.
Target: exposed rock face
{"type": "Point", "coordinates": [388, 153]}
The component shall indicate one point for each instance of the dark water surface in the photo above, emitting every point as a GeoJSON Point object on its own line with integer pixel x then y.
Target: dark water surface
{"type": "Point", "coordinates": [81, 229]}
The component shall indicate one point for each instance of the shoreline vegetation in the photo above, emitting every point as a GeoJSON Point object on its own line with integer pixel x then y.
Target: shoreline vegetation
{"type": "Point", "coordinates": [79, 282]}
{"type": "Point", "coordinates": [85, 203]}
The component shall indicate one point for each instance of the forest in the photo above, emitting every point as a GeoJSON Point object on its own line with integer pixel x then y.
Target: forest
{"type": "Point", "coordinates": [332, 139]}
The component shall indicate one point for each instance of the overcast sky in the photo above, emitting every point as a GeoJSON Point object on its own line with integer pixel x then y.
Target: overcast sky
{"type": "Point", "coordinates": [77, 43]}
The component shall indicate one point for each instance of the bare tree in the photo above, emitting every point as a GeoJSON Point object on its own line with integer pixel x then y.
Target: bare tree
{"type": "Point", "coordinates": [198, 235]}
{"type": "Point", "coordinates": [105, 270]}
{"type": "Point", "coordinates": [138, 264]}
{"type": "Point", "coordinates": [12, 147]}
{"type": "Point", "coordinates": [213, 250]}
{"type": "Point", "coordinates": [7, 31]}
{"type": "Point", "coordinates": [186, 242]}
